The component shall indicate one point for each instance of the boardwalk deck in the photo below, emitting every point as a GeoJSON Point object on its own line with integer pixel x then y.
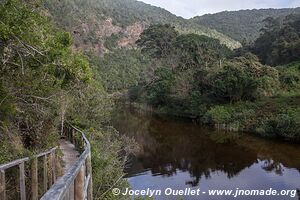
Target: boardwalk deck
{"type": "Point", "coordinates": [70, 155]}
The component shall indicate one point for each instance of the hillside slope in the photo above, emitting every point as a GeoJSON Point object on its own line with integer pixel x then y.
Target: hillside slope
{"type": "Point", "coordinates": [243, 24]}
{"type": "Point", "coordinates": [118, 22]}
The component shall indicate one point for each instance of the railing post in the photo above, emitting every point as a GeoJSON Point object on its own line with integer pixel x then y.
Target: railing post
{"type": "Point", "coordinates": [73, 137]}
{"type": "Point", "coordinates": [53, 157]}
{"type": "Point", "coordinates": [45, 174]}
{"type": "Point", "coordinates": [2, 185]}
{"type": "Point", "coordinates": [34, 179]}
{"type": "Point", "coordinates": [79, 185]}
{"type": "Point", "coordinates": [22, 182]}
{"type": "Point", "coordinates": [51, 176]}
{"type": "Point", "coordinates": [89, 172]}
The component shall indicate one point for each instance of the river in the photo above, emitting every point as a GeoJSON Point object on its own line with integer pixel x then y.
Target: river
{"type": "Point", "coordinates": [180, 154]}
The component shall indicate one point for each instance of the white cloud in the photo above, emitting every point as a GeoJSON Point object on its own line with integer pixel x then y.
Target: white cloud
{"type": "Point", "coordinates": [191, 8]}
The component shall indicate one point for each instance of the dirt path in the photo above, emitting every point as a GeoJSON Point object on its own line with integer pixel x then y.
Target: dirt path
{"type": "Point", "coordinates": [70, 155]}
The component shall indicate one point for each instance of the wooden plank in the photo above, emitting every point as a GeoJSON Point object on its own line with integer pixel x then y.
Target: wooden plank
{"type": "Point", "coordinates": [67, 196]}
{"type": "Point", "coordinates": [89, 173]}
{"type": "Point", "coordinates": [79, 185]}
{"type": "Point", "coordinates": [13, 163]}
{"type": "Point", "coordinates": [50, 180]}
{"type": "Point", "coordinates": [53, 156]}
{"type": "Point", "coordinates": [34, 179]}
{"type": "Point", "coordinates": [45, 174]}
{"type": "Point", "coordinates": [2, 185]}
{"type": "Point", "coordinates": [46, 152]}
{"type": "Point", "coordinates": [86, 185]}
{"type": "Point", "coordinates": [22, 182]}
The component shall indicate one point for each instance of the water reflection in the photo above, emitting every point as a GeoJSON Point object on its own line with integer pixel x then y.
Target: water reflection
{"type": "Point", "coordinates": [181, 154]}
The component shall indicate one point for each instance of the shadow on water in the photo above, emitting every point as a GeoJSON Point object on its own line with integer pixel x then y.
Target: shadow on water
{"type": "Point", "coordinates": [177, 153]}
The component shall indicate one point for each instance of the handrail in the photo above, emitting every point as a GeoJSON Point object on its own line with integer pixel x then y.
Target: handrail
{"type": "Point", "coordinates": [22, 160]}
{"type": "Point", "coordinates": [80, 174]}
{"type": "Point", "coordinates": [75, 184]}
{"type": "Point", "coordinates": [34, 174]}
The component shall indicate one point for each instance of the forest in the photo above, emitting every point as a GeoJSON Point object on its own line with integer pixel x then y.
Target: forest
{"type": "Point", "coordinates": [242, 25]}
{"type": "Point", "coordinates": [57, 67]}
{"type": "Point", "coordinates": [253, 89]}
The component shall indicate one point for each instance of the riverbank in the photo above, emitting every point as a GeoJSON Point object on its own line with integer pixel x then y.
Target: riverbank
{"type": "Point", "coordinates": [272, 117]}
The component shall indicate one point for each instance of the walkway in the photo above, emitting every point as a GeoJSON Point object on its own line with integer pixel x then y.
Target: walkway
{"type": "Point", "coordinates": [70, 155]}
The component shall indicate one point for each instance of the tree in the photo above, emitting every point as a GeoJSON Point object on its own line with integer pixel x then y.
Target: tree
{"type": "Point", "coordinates": [157, 40]}
{"type": "Point", "coordinates": [244, 78]}
{"type": "Point", "coordinates": [195, 50]}
{"type": "Point", "coordinates": [158, 91]}
{"type": "Point", "coordinates": [37, 70]}
{"type": "Point", "coordinates": [279, 42]}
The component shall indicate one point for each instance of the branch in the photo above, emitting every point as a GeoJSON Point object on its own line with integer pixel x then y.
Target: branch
{"type": "Point", "coordinates": [28, 46]}
{"type": "Point", "coordinates": [22, 64]}
{"type": "Point", "coordinates": [111, 186]}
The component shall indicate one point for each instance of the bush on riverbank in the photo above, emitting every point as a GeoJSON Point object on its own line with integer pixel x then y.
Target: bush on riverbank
{"type": "Point", "coordinates": [261, 117]}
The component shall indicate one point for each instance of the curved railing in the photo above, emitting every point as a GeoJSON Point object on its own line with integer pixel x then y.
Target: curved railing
{"type": "Point", "coordinates": [76, 183]}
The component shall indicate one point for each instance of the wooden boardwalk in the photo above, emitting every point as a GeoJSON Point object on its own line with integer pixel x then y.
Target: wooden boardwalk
{"type": "Point", "coordinates": [75, 183]}
{"type": "Point", "coordinates": [70, 155]}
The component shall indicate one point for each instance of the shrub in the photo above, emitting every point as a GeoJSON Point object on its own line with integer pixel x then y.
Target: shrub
{"type": "Point", "coordinates": [219, 115]}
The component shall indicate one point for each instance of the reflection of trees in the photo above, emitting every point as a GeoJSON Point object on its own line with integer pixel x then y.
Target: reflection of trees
{"type": "Point", "coordinates": [271, 166]}
{"type": "Point", "coordinates": [199, 156]}
{"type": "Point", "coordinates": [168, 147]}
{"type": "Point", "coordinates": [285, 153]}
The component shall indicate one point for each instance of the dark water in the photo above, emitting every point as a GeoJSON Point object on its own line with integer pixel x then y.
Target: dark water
{"type": "Point", "coordinates": [178, 154]}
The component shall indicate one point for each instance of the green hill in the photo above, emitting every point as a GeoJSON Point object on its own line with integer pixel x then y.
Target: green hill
{"type": "Point", "coordinates": [244, 24]}
{"type": "Point", "coordinates": [121, 21]}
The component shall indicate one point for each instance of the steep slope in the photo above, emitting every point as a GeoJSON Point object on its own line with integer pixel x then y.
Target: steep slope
{"type": "Point", "coordinates": [244, 24]}
{"type": "Point", "coordinates": [103, 24]}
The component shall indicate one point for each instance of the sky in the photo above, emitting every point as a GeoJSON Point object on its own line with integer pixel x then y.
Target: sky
{"type": "Point", "coordinates": [191, 8]}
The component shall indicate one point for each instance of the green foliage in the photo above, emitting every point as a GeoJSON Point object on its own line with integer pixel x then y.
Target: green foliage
{"type": "Point", "coordinates": [159, 90]}
{"type": "Point", "coordinates": [157, 40]}
{"type": "Point", "coordinates": [195, 50]}
{"type": "Point", "coordinates": [90, 13]}
{"type": "Point", "coordinates": [219, 115]}
{"type": "Point", "coordinates": [120, 69]}
{"type": "Point", "coordinates": [243, 25]}
{"type": "Point", "coordinates": [283, 125]}
{"type": "Point", "coordinates": [244, 78]}
{"type": "Point", "coordinates": [37, 68]}
{"type": "Point", "coordinates": [279, 44]}
{"type": "Point", "coordinates": [233, 84]}
{"type": "Point", "coordinates": [112, 42]}
{"type": "Point", "coordinates": [290, 76]}
{"type": "Point", "coordinates": [107, 170]}
{"type": "Point", "coordinates": [43, 82]}
{"type": "Point", "coordinates": [201, 79]}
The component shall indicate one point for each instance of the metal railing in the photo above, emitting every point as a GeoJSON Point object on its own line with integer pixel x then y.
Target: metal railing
{"type": "Point", "coordinates": [75, 184]}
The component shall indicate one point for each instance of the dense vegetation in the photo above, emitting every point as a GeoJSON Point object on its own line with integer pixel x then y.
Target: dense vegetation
{"type": "Point", "coordinates": [280, 41]}
{"type": "Point", "coordinates": [243, 25]}
{"type": "Point", "coordinates": [196, 76]}
{"type": "Point", "coordinates": [177, 67]}
{"type": "Point", "coordinates": [43, 83]}
{"type": "Point", "coordinates": [91, 14]}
